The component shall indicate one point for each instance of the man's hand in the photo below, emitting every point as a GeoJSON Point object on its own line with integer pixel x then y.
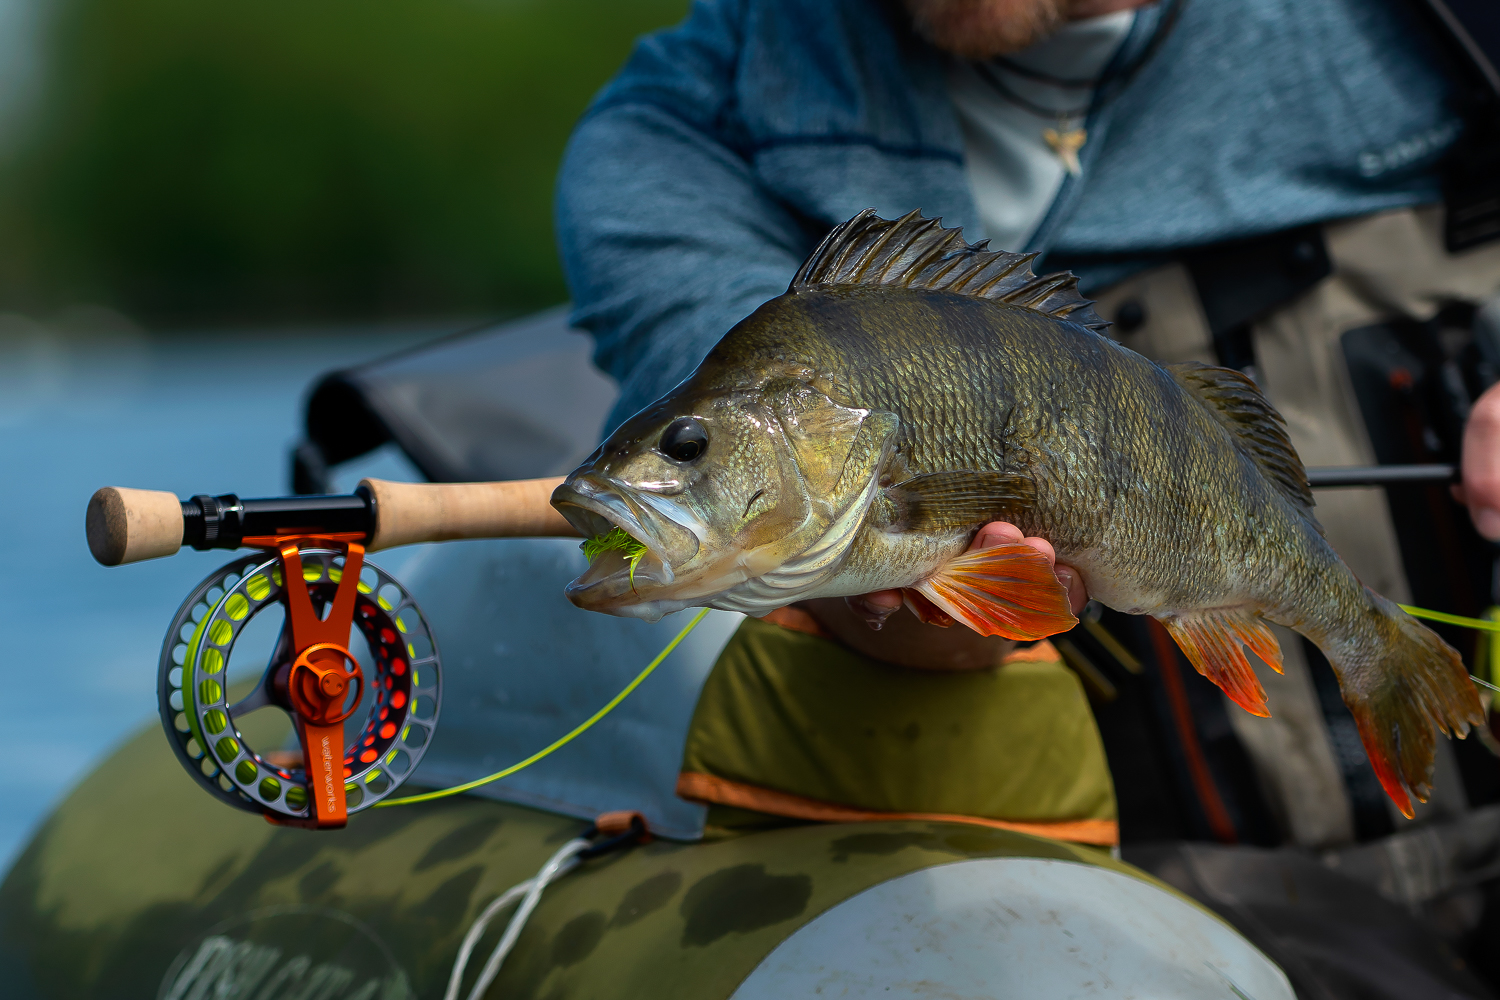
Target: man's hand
{"type": "Point", "coordinates": [1481, 465]}
{"type": "Point", "coordinates": [876, 607]}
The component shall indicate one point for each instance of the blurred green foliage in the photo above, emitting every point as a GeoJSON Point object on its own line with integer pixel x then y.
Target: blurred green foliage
{"type": "Point", "coordinates": [204, 161]}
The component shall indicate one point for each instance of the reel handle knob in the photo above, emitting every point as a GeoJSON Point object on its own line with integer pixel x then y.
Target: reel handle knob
{"type": "Point", "coordinates": [125, 525]}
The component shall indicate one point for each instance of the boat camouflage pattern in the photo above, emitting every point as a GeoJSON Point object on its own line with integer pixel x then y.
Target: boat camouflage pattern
{"type": "Point", "coordinates": [189, 899]}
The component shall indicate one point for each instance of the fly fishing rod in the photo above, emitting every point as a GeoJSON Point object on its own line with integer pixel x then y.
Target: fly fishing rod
{"type": "Point", "coordinates": [362, 727]}
{"type": "Point", "coordinates": [310, 564]}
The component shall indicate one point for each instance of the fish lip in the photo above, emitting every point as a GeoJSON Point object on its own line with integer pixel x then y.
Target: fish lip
{"type": "Point", "coordinates": [594, 507]}
{"type": "Point", "coordinates": [595, 511]}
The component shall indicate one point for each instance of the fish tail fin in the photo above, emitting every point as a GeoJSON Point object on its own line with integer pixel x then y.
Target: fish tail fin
{"type": "Point", "coordinates": [1007, 590]}
{"type": "Point", "coordinates": [1213, 642]}
{"type": "Point", "coordinates": [1413, 682]}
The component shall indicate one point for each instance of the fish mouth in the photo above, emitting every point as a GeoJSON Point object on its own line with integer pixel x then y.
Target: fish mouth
{"type": "Point", "coordinates": [632, 585]}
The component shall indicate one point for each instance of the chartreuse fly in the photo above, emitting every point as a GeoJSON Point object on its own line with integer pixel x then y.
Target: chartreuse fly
{"type": "Point", "coordinates": [617, 538]}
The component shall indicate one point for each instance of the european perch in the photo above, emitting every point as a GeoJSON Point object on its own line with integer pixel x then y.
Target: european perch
{"type": "Point", "coordinates": [852, 434]}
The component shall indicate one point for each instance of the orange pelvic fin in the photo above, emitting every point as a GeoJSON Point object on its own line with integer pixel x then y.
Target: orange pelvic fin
{"type": "Point", "coordinates": [1008, 590]}
{"type": "Point", "coordinates": [925, 610]}
{"type": "Point", "coordinates": [1213, 640]}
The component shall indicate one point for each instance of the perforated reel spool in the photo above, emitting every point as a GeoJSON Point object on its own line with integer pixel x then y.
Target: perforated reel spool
{"type": "Point", "coordinates": [399, 705]}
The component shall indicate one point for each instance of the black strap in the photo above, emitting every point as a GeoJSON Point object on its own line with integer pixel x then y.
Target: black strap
{"type": "Point", "coordinates": [1473, 26]}
{"type": "Point", "coordinates": [1469, 31]}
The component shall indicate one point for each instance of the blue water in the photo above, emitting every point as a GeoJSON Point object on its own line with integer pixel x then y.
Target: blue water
{"type": "Point", "coordinates": [108, 406]}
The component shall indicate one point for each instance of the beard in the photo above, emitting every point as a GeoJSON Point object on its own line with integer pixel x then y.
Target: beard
{"type": "Point", "coordinates": [982, 29]}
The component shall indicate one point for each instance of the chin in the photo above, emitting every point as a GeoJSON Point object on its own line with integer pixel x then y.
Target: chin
{"type": "Point", "coordinates": [982, 29]}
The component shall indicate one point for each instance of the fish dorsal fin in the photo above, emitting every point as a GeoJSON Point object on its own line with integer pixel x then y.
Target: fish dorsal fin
{"type": "Point", "coordinates": [918, 253]}
{"type": "Point", "coordinates": [1257, 428]}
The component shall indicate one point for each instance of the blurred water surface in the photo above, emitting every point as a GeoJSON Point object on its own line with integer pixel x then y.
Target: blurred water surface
{"type": "Point", "coordinates": [89, 402]}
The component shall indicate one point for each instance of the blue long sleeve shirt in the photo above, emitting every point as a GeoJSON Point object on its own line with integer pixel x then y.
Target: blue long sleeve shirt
{"type": "Point", "coordinates": [727, 147]}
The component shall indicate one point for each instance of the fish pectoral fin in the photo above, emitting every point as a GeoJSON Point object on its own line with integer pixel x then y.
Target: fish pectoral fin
{"type": "Point", "coordinates": [1007, 590]}
{"type": "Point", "coordinates": [946, 500]}
{"type": "Point", "coordinates": [1213, 642]}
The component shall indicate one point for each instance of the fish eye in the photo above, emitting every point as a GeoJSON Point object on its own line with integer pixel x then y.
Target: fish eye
{"type": "Point", "coordinates": [684, 440]}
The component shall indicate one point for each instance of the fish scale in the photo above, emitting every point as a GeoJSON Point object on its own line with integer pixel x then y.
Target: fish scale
{"type": "Point", "coordinates": [855, 433]}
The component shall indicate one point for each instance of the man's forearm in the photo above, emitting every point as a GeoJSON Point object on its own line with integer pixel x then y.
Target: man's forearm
{"type": "Point", "coordinates": [668, 241]}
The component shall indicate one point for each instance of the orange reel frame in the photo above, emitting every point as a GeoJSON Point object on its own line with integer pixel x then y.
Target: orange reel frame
{"type": "Point", "coordinates": [322, 671]}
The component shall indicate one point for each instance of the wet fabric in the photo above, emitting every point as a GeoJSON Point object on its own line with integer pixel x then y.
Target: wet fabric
{"type": "Point", "coordinates": [804, 715]}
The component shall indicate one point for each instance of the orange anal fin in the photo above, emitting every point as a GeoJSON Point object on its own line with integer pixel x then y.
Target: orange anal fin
{"type": "Point", "coordinates": [1007, 590]}
{"type": "Point", "coordinates": [1213, 642]}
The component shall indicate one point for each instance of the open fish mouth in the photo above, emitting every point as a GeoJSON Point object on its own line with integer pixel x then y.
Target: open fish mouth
{"type": "Point", "coordinates": [632, 543]}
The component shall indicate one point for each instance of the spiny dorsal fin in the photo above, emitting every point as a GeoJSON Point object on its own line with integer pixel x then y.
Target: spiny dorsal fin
{"type": "Point", "coordinates": [913, 252]}
{"type": "Point", "coordinates": [1258, 429]}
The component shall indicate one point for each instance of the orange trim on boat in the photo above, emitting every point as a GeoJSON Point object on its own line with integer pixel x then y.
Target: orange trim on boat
{"type": "Point", "coordinates": [708, 789]}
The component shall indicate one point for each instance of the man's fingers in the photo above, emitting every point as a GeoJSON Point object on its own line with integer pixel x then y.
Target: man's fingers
{"type": "Point", "coordinates": [1481, 463]}
{"type": "Point", "coordinates": [1072, 581]}
{"type": "Point", "coordinates": [998, 533]}
{"type": "Point", "coordinates": [875, 607]}
{"type": "Point", "coordinates": [1044, 547]}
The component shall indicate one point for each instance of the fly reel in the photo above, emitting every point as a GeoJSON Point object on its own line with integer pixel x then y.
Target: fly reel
{"type": "Point", "coordinates": [362, 727]}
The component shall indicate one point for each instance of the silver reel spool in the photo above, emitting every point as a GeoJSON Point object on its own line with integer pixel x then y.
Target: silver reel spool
{"type": "Point", "coordinates": [390, 728]}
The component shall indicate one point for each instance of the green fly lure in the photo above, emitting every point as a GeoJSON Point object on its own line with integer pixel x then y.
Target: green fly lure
{"type": "Point", "coordinates": [617, 538]}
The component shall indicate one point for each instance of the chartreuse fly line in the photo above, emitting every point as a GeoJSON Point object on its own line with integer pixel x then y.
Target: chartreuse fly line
{"type": "Point", "coordinates": [1485, 624]}
{"type": "Point", "coordinates": [1486, 650]}
{"type": "Point", "coordinates": [617, 538]}
{"type": "Point", "coordinates": [1489, 656]}
{"type": "Point", "coordinates": [563, 741]}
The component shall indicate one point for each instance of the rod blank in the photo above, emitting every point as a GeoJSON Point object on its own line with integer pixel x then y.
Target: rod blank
{"type": "Point", "coordinates": [1323, 477]}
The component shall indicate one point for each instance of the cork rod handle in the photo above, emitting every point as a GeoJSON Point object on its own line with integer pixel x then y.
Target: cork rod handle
{"type": "Point", "coordinates": [125, 525]}
{"type": "Point", "coordinates": [406, 513]}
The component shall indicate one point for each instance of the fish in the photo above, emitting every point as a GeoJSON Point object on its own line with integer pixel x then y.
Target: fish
{"type": "Point", "coordinates": [855, 432]}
